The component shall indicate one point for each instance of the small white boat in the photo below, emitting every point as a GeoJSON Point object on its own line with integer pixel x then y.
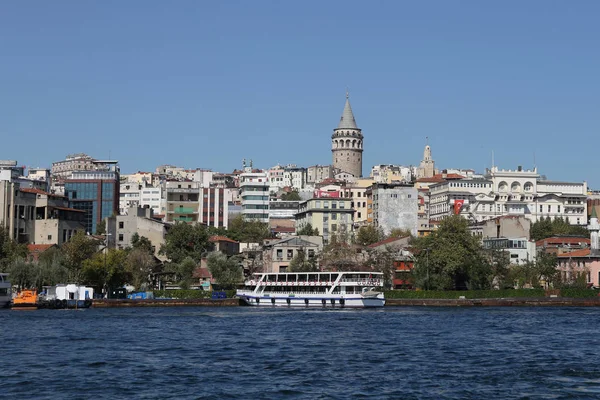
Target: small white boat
{"type": "Point", "coordinates": [5, 291]}
{"type": "Point", "coordinates": [314, 289]}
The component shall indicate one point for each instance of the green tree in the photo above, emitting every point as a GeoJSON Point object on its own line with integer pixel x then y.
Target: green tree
{"type": "Point", "coordinates": [308, 230]}
{"type": "Point", "coordinates": [101, 227]}
{"type": "Point", "coordinates": [451, 258]}
{"type": "Point", "coordinates": [301, 263]}
{"type": "Point", "coordinates": [339, 255]}
{"type": "Point", "coordinates": [106, 270]}
{"type": "Point", "coordinates": [10, 250]}
{"type": "Point", "coordinates": [227, 272]}
{"type": "Point", "coordinates": [22, 273]}
{"type": "Point", "coordinates": [141, 243]}
{"type": "Point", "coordinates": [382, 260]}
{"type": "Point", "coordinates": [183, 240]}
{"type": "Point", "coordinates": [141, 266]}
{"type": "Point", "coordinates": [247, 230]}
{"type": "Point", "coordinates": [367, 235]}
{"type": "Point", "coordinates": [400, 233]}
{"type": "Point", "coordinates": [185, 271]}
{"type": "Point", "coordinates": [77, 250]}
{"type": "Point", "coordinates": [50, 268]}
{"type": "Point", "coordinates": [291, 196]}
{"type": "Point", "coordinates": [547, 227]}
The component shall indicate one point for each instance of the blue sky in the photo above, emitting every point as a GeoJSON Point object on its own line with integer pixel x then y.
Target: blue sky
{"type": "Point", "coordinates": [205, 84]}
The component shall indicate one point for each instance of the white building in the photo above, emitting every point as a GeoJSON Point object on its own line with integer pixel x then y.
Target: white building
{"type": "Point", "coordinates": [152, 197]}
{"type": "Point", "coordinates": [510, 192]}
{"type": "Point", "coordinates": [254, 191]}
{"type": "Point", "coordinates": [389, 173]}
{"type": "Point", "coordinates": [395, 206]}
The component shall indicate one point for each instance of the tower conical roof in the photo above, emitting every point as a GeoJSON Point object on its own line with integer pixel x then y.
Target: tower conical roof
{"type": "Point", "coordinates": [347, 121]}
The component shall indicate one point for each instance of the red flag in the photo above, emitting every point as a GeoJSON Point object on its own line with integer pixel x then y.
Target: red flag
{"type": "Point", "coordinates": [458, 205]}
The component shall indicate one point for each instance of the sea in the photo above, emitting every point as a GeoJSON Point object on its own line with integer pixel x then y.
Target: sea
{"type": "Point", "coordinates": [255, 353]}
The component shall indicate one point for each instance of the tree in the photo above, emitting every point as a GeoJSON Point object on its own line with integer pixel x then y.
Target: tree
{"type": "Point", "coordinates": [247, 230]}
{"type": "Point", "coordinates": [22, 273]}
{"type": "Point", "coordinates": [227, 272]}
{"type": "Point", "coordinates": [301, 263]}
{"type": "Point", "coordinates": [339, 255]}
{"type": "Point", "coordinates": [10, 250]}
{"type": "Point", "coordinates": [400, 233]}
{"type": "Point", "coordinates": [291, 196]}
{"type": "Point", "coordinates": [106, 270]}
{"type": "Point", "coordinates": [367, 235]}
{"type": "Point", "coordinates": [184, 240]}
{"type": "Point", "coordinates": [547, 227]}
{"type": "Point", "coordinates": [50, 268]}
{"type": "Point", "coordinates": [185, 271]}
{"type": "Point", "coordinates": [80, 248]}
{"type": "Point", "coordinates": [101, 227]}
{"type": "Point", "coordinates": [308, 230]}
{"type": "Point", "coordinates": [382, 260]}
{"type": "Point", "coordinates": [141, 243]}
{"type": "Point", "coordinates": [141, 267]}
{"type": "Point", "coordinates": [451, 258]}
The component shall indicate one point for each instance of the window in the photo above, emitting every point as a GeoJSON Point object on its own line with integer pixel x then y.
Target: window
{"type": "Point", "coordinates": [549, 207]}
{"type": "Point", "coordinates": [121, 224]}
{"type": "Point", "coordinates": [279, 254]}
{"type": "Point", "coordinates": [290, 254]}
{"type": "Point", "coordinates": [541, 208]}
{"type": "Point", "coordinates": [49, 237]}
{"type": "Point", "coordinates": [333, 227]}
{"type": "Point", "coordinates": [334, 216]}
{"type": "Point", "coordinates": [120, 237]}
{"type": "Point", "coordinates": [558, 209]}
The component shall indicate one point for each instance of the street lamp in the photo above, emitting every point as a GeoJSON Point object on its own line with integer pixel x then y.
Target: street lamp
{"type": "Point", "coordinates": [105, 288]}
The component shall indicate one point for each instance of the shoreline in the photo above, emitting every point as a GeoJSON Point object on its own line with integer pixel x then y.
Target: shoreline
{"type": "Point", "coordinates": [497, 302]}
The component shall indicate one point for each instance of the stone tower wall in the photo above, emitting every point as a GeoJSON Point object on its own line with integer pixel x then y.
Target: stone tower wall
{"type": "Point", "coordinates": [347, 149]}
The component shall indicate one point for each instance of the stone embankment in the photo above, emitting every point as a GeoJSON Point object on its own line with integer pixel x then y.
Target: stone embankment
{"type": "Point", "coordinates": [510, 302]}
{"type": "Point", "coordinates": [109, 303]}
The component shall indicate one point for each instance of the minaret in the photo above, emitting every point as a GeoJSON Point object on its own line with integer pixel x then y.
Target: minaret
{"type": "Point", "coordinates": [347, 143]}
{"type": "Point", "coordinates": [594, 227]}
{"type": "Point", "coordinates": [427, 167]}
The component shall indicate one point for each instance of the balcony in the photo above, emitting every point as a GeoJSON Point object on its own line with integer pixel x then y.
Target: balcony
{"type": "Point", "coordinates": [183, 210]}
{"type": "Point", "coordinates": [183, 219]}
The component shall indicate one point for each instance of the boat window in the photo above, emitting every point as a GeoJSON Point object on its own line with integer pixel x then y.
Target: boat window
{"type": "Point", "coordinates": [272, 301]}
{"type": "Point", "coordinates": [302, 277]}
{"type": "Point", "coordinates": [306, 301]}
{"type": "Point", "coordinates": [332, 302]}
{"type": "Point", "coordinates": [324, 302]}
{"type": "Point", "coordinates": [313, 278]}
{"type": "Point", "coordinates": [334, 277]}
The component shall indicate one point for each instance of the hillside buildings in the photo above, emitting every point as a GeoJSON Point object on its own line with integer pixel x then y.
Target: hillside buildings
{"type": "Point", "coordinates": [329, 213]}
{"type": "Point", "coordinates": [509, 192]}
{"type": "Point", "coordinates": [394, 206]}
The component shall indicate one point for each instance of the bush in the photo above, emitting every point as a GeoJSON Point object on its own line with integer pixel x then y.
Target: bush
{"type": "Point", "coordinates": [468, 294]}
{"type": "Point", "coordinates": [182, 294]}
{"type": "Point", "coordinates": [579, 293]}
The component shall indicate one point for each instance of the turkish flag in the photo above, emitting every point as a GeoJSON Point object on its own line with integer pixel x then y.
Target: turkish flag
{"type": "Point", "coordinates": [458, 205]}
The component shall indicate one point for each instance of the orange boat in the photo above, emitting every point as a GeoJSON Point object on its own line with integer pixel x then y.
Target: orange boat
{"type": "Point", "coordinates": [25, 300]}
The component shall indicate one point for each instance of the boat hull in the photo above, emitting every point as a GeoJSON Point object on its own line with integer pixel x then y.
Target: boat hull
{"type": "Point", "coordinates": [313, 302]}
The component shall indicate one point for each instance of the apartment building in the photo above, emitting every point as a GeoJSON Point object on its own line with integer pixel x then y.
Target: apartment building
{"type": "Point", "coordinates": [330, 214]}
{"type": "Point", "coordinates": [182, 200]}
{"type": "Point", "coordinates": [254, 193]}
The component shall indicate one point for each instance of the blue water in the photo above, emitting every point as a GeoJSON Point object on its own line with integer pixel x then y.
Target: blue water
{"type": "Point", "coordinates": [250, 353]}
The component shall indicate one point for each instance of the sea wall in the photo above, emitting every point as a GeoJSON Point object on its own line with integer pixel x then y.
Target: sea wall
{"type": "Point", "coordinates": [510, 302]}
{"type": "Point", "coordinates": [109, 303]}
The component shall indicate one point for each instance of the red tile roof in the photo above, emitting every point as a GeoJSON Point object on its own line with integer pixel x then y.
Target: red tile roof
{"type": "Point", "coordinates": [440, 178]}
{"type": "Point", "coordinates": [69, 209]}
{"type": "Point", "coordinates": [557, 241]}
{"type": "Point", "coordinates": [38, 248]}
{"type": "Point", "coordinates": [386, 241]}
{"type": "Point", "coordinates": [576, 253]}
{"type": "Point", "coordinates": [202, 272]}
{"type": "Point", "coordinates": [39, 191]}
{"type": "Point", "coordinates": [221, 239]}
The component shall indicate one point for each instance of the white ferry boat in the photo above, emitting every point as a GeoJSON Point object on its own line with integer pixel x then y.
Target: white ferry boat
{"type": "Point", "coordinates": [314, 289]}
{"type": "Point", "coordinates": [5, 291]}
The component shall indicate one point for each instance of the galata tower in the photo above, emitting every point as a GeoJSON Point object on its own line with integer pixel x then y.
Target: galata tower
{"type": "Point", "coordinates": [347, 144]}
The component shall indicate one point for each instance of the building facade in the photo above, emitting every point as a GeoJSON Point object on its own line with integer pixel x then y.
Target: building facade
{"type": "Point", "coordinates": [121, 228]}
{"type": "Point", "coordinates": [254, 192]}
{"type": "Point", "coordinates": [347, 144]}
{"type": "Point", "coordinates": [318, 173]}
{"type": "Point", "coordinates": [95, 192]}
{"type": "Point", "coordinates": [182, 200]}
{"type": "Point", "coordinates": [214, 207]}
{"type": "Point", "coordinates": [395, 206]}
{"type": "Point", "coordinates": [330, 215]}
{"type": "Point", "coordinates": [509, 192]}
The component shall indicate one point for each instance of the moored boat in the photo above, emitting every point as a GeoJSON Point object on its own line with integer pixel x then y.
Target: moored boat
{"type": "Point", "coordinates": [314, 289]}
{"type": "Point", "coordinates": [5, 291]}
{"type": "Point", "coordinates": [25, 300]}
{"type": "Point", "coordinates": [66, 296]}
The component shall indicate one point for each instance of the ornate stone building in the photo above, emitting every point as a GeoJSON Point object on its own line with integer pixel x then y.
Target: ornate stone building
{"type": "Point", "coordinates": [347, 144]}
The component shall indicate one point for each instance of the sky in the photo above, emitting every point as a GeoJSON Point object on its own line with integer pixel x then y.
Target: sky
{"type": "Point", "coordinates": [205, 84]}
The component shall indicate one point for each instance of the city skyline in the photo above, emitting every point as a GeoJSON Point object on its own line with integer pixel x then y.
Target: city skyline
{"type": "Point", "coordinates": [208, 84]}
